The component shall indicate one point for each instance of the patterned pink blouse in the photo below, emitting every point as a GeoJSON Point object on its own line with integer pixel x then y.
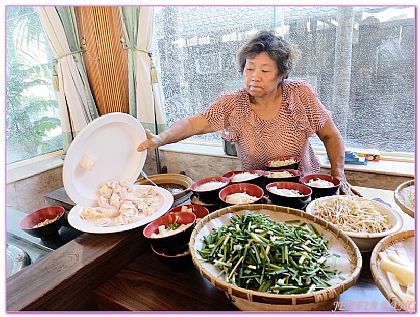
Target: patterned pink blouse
{"type": "Point", "coordinates": [258, 140]}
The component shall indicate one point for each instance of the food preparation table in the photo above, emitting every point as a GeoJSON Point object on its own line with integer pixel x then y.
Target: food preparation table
{"type": "Point", "coordinates": [148, 285]}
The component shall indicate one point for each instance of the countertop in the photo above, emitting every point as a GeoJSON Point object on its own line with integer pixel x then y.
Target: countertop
{"type": "Point", "coordinates": [148, 285]}
{"type": "Point", "coordinates": [119, 272]}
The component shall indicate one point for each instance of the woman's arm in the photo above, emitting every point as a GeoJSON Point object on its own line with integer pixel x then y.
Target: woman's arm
{"type": "Point", "coordinates": [334, 145]}
{"type": "Point", "coordinates": [180, 130]}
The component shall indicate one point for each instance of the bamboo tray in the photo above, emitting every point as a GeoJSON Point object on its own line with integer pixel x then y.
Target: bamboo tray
{"type": "Point", "coordinates": [402, 197]}
{"type": "Point", "coordinates": [401, 240]}
{"type": "Point", "coordinates": [349, 262]}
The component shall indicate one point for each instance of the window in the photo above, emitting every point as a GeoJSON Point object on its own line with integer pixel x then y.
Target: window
{"type": "Point", "coordinates": [32, 116]}
{"type": "Point", "coordinates": [376, 109]}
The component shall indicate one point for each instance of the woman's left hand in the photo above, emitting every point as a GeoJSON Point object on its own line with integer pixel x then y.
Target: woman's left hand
{"type": "Point", "coordinates": [346, 189]}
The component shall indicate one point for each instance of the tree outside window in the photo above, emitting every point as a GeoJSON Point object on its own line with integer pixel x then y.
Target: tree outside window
{"type": "Point", "coordinates": [32, 117]}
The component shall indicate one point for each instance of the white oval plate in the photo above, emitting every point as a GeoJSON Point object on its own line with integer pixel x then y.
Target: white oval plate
{"type": "Point", "coordinates": [77, 222]}
{"type": "Point", "coordinates": [110, 142]}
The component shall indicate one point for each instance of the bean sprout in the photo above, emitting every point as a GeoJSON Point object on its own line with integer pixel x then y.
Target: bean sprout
{"type": "Point", "coordinates": [352, 214]}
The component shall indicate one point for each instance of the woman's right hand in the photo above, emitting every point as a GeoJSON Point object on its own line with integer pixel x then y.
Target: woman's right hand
{"type": "Point", "coordinates": [152, 142]}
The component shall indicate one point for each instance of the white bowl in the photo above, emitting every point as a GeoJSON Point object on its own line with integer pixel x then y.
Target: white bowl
{"type": "Point", "coordinates": [367, 241]}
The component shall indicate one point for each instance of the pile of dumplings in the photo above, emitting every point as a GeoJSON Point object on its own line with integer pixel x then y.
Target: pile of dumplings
{"type": "Point", "coordinates": [120, 203]}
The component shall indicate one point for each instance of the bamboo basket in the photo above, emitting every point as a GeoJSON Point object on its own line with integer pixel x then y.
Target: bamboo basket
{"type": "Point", "coordinates": [401, 240]}
{"type": "Point", "coordinates": [349, 262]}
{"type": "Point", "coordinates": [401, 197]}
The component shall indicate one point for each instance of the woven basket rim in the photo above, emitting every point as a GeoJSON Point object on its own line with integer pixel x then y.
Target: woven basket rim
{"type": "Point", "coordinates": [375, 269]}
{"type": "Point", "coordinates": [409, 211]}
{"type": "Point", "coordinates": [315, 297]}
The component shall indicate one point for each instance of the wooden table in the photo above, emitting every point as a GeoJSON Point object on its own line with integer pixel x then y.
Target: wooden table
{"type": "Point", "coordinates": [148, 285]}
{"type": "Point", "coordinates": [119, 272]}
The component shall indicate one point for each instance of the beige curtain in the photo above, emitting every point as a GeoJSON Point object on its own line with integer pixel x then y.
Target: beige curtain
{"type": "Point", "coordinates": [149, 99]}
{"type": "Point", "coordinates": [75, 101]}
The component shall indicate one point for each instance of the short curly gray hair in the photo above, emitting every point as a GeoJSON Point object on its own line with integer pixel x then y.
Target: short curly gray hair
{"type": "Point", "coordinates": [275, 46]}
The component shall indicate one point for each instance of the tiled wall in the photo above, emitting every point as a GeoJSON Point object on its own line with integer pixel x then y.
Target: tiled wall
{"type": "Point", "coordinates": [28, 194]}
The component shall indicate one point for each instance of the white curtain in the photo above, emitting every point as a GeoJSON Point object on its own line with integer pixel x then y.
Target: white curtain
{"type": "Point", "coordinates": [149, 99]}
{"type": "Point", "coordinates": [73, 101]}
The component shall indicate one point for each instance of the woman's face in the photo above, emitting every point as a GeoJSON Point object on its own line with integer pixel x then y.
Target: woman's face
{"type": "Point", "coordinates": [261, 75]}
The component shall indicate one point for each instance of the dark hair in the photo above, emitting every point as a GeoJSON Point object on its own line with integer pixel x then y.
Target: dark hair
{"type": "Point", "coordinates": [283, 53]}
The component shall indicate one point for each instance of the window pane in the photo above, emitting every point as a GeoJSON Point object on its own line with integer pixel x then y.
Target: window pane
{"type": "Point", "coordinates": [197, 48]}
{"type": "Point", "coordinates": [32, 118]}
{"type": "Point", "coordinates": [360, 60]}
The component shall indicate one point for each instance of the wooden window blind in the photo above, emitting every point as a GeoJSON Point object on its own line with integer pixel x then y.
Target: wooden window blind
{"type": "Point", "coordinates": [105, 59]}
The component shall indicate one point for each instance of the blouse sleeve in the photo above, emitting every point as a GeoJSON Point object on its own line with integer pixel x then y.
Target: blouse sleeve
{"type": "Point", "coordinates": [218, 113]}
{"type": "Point", "coordinates": [316, 112]}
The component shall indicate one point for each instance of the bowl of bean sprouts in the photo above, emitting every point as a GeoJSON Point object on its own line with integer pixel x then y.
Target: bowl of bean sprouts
{"type": "Point", "coordinates": [365, 221]}
{"type": "Point", "coordinates": [44, 223]}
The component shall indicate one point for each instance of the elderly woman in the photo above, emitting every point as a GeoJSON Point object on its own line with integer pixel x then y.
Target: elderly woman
{"type": "Point", "coordinates": [271, 117]}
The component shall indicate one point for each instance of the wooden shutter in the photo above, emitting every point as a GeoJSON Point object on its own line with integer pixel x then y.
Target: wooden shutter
{"type": "Point", "coordinates": [105, 59]}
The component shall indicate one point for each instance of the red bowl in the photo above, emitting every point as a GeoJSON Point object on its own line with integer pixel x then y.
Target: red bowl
{"type": "Point", "coordinates": [247, 188]}
{"type": "Point", "coordinates": [209, 196]}
{"type": "Point", "coordinates": [198, 210]}
{"type": "Point", "coordinates": [257, 180]}
{"type": "Point", "coordinates": [321, 191]}
{"type": "Point", "coordinates": [47, 231]}
{"type": "Point", "coordinates": [174, 240]}
{"type": "Point", "coordinates": [293, 166]}
{"type": "Point", "coordinates": [299, 202]}
{"type": "Point", "coordinates": [294, 178]}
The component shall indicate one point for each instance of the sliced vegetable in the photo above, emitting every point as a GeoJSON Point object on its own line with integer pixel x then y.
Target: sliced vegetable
{"type": "Point", "coordinates": [403, 273]}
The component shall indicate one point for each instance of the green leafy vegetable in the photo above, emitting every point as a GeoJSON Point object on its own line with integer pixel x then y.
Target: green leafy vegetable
{"type": "Point", "coordinates": [258, 253]}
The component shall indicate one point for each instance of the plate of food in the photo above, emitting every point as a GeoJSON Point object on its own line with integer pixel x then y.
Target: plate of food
{"type": "Point", "coordinates": [104, 150]}
{"type": "Point", "coordinates": [121, 207]}
{"type": "Point", "coordinates": [405, 197]}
